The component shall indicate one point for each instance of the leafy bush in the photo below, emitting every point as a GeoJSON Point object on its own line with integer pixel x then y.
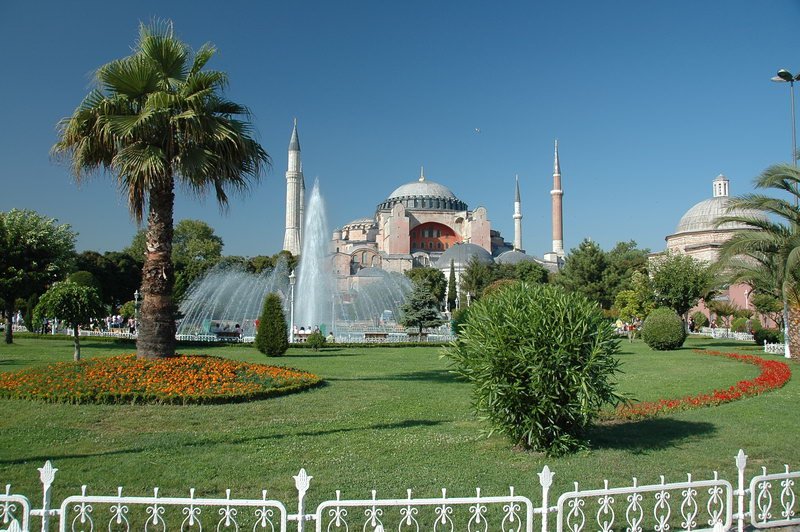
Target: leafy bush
{"type": "Point", "coordinates": [663, 330]}
{"type": "Point", "coordinates": [700, 320]}
{"type": "Point", "coordinates": [541, 362]}
{"type": "Point", "coordinates": [271, 334]}
{"type": "Point", "coordinates": [315, 340]}
{"type": "Point", "coordinates": [459, 319]}
{"type": "Point", "coordinates": [772, 336]}
{"type": "Point", "coordinates": [739, 325]}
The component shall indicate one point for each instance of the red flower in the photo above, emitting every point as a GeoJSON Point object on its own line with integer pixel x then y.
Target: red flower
{"type": "Point", "coordinates": [774, 374]}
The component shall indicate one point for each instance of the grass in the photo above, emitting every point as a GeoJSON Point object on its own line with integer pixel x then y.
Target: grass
{"type": "Point", "coordinates": [388, 419]}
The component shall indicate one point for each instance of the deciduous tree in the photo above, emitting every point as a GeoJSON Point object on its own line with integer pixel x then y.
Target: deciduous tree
{"type": "Point", "coordinates": [72, 303]}
{"type": "Point", "coordinates": [34, 252]}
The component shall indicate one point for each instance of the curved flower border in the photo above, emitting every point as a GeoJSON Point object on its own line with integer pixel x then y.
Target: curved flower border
{"type": "Point", "coordinates": [194, 379]}
{"type": "Point", "coordinates": [774, 374]}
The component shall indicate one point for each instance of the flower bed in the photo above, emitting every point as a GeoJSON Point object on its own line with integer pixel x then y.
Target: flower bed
{"type": "Point", "coordinates": [774, 374]}
{"type": "Point", "coordinates": [174, 380]}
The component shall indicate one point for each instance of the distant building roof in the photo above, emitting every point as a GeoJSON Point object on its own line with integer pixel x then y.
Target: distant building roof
{"type": "Point", "coordinates": [462, 254]}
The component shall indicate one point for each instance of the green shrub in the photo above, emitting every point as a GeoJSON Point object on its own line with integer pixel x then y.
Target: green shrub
{"type": "Point", "coordinates": [739, 325]}
{"type": "Point", "coordinates": [772, 336]}
{"type": "Point", "coordinates": [272, 335]}
{"type": "Point", "coordinates": [663, 330]}
{"type": "Point", "coordinates": [315, 340]}
{"type": "Point", "coordinates": [700, 320]}
{"type": "Point", "coordinates": [541, 362]}
{"type": "Point", "coordinates": [459, 319]}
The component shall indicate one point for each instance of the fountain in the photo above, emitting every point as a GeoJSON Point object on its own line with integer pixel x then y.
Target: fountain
{"type": "Point", "coordinates": [229, 296]}
{"type": "Point", "coordinates": [225, 297]}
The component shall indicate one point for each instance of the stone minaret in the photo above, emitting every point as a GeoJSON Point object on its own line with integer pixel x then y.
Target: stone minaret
{"type": "Point", "coordinates": [517, 219]}
{"type": "Point", "coordinates": [294, 194]}
{"type": "Point", "coordinates": [558, 222]}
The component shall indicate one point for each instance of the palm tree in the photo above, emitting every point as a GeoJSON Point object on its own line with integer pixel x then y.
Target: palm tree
{"type": "Point", "coordinates": [775, 246]}
{"type": "Point", "coordinates": [157, 118]}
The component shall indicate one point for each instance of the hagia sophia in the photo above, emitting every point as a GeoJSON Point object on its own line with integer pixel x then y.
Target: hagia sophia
{"type": "Point", "coordinates": [423, 223]}
{"type": "Point", "coordinates": [420, 223]}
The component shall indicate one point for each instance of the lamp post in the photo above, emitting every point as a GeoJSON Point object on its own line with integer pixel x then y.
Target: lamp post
{"type": "Point", "coordinates": [136, 304]}
{"type": "Point", "coordinates": [784, 76]}
{"type": "Point", "coordinates": [292, 280]}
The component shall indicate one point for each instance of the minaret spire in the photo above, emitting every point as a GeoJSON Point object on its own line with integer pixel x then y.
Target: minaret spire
{"type": "Point", "coordinates": [517, 218]}
{"type": "Point", "coordinates": [557, 195]}
{"type": "Point", "coordinates": [295, 189]}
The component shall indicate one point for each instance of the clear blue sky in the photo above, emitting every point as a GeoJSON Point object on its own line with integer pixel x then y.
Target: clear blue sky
{"type": "Point", "coordinates": [649, 101]}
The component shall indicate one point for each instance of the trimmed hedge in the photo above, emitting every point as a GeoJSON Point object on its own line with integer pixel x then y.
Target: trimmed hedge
{"type": "Point", "coordinates": [772, 336]}
{"type": "Point", "coordinates": [663, 330]}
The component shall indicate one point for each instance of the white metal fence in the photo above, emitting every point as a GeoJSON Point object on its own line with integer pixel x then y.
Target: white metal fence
{"type": "Point", "coordinates": [769, 500]}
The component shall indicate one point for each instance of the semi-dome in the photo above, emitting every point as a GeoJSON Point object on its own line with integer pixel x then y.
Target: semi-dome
{"type": "Point", "coordinates": [703, 216]}
{"type": "Point", "coordinates": [424, 195]}
{"type": "Point", "coordinates": [360, 223]}
{"type": "Point", "coordinates": [462, 254]}
{"type": "Point", "coordinates": [514, 256]}
{"type": "Point", "coordinates": [372, 271]}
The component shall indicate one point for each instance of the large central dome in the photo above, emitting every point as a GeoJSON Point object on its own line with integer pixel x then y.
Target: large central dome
{"type": "Point", "coordinates": [424, 194]}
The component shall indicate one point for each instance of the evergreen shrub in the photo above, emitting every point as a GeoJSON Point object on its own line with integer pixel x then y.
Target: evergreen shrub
{"type": "Point", "coordinates": [459, 319]}
{"type": "Point", "coordinates": [772, 336]}
{"type": "Point", "coordinates": [663, 330]}
{"type": "Point", "coordinates": [271, 335]}
{"type": "Point", "coordinates": [315, 340]}
{"type": "Point", "coordinates": [541, 362]}
{"type": "Point", "coordinates": [700, 320]}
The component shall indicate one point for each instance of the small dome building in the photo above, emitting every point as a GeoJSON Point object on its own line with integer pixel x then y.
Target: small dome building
{"type": "Point", "coordinates": [697, 233]}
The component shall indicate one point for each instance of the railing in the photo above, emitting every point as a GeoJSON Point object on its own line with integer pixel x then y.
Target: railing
{"type": "Point", "coordinates": [768, 501]}
{"type": "Point", "coordinates": [774, 349]}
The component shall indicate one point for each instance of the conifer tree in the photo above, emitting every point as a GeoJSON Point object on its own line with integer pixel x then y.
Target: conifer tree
{"type": "Point", "coordinates": [421, 309]}
{"type": "Point", "coordinates": [271, 335]}
{"type": "Point", "coordinates": [451, 287]}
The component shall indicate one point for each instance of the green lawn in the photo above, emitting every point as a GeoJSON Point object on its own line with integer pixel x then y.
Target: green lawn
{"type": "Point", "coordinates": [389, 419]}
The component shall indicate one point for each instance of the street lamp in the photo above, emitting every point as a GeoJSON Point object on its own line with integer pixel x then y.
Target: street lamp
{"type": "Point", "coordinates": [292, 280]}
{"type": "Point", "coordinates": [136, 304]}
{"type": "Point", "coordinates": [784, 76]}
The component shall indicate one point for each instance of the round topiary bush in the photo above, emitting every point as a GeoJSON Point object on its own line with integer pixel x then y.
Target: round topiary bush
{"type": "Point", "coordinates": [739, 325]}
{"type": "Point", "coordinates": [663, 330]}
{"type": "Point", "coordinates": [541, 362]}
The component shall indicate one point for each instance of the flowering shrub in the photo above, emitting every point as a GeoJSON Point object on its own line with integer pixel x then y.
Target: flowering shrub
{"type": "Point", "coordinates": [174, 380]}
{"type": "Point", "coordinates": [774, 374]}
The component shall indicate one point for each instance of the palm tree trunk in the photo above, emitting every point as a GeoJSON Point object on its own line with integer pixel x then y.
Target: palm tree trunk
{"type": "Point", "coordinates": [157, 314]}
{"type": "Point", "coordinates": [793, 330]}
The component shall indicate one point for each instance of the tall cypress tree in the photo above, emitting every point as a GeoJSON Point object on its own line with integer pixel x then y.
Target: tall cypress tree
{"type": "Point", "coordinates": [451, 287]}
{"type": "Point", "coordinates": [272, 336]}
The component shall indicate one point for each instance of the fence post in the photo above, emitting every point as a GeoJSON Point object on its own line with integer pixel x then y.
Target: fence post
{"type": "Point", "coordinates": [741, 462]}
{"type": "Point", "coordinates": [47, 474]}
{"type": "Point", "coordinates": [546, 480]}
{"type": "Point", "coordinates": [301, 481]}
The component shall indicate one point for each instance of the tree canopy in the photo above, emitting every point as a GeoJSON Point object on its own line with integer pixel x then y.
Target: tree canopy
{"type": "Point", "coordinates": [680, 281]}
{"type": "Point", "coordinates": [72, 303]}
{"type": "Point", "coordinates": [34, 252]}
{"type": "Point", "coordinates": [156, 119]}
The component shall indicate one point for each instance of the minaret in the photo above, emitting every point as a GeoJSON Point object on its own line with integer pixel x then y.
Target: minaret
{"type": "Point", "coordinates": [294, 178]}
{"type": "Point", "coordinates": [517, 219]}
{"type": "Point", "coordinates": [558, 222]}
